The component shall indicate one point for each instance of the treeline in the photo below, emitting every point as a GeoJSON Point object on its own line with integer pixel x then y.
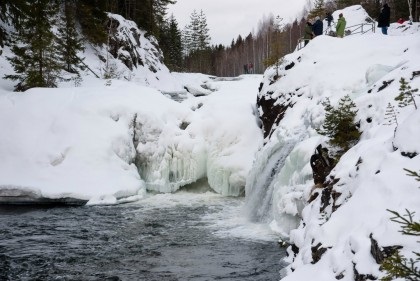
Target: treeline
{"type": "Point", "coordinates": [272, 40]}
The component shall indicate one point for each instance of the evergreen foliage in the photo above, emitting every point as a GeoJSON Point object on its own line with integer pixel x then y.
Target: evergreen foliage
{"type": "Point", "coordinates": [345, 3]}
{"type": "Point", "coordinates": [391, 116]}
{"type": "Point", "coordinates": [413, 174]}
{"type": "Point", "coordinates": [340, 125]}
{"type": "Point", "coordinates": [406, 96]}
{"type": "Point", "coordinates": [68, 39]}
{"type": "Point", "coordinates": [36, 60]}
{"type": "Point", "coordinates": [196, 44]}
{"type": "Point", "coordinates": [92, 18]}
{"type": "Point", "coordinates": [171, 44]}
{"type": "Point", "coordinates": [149, 15]}
{"type": "Point", "coordinates": [277, 46]}
{"type": "Point", "coordinates": [396, 265]}
{"type": "Point", "coordinates": [318, 10]}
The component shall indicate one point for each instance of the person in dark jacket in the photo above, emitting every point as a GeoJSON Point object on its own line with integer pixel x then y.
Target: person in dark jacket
{"type": "Point", "coordinates": [318, 27]}
{"type": "Point", "coordinates": [308, 33]}
{"type": "Point", "coordinates": [384, 18]}
{"type": "Point", "coordinates": [329, 18]}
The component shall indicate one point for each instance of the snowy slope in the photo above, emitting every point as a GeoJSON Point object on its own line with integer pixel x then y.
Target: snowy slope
{"type": "Point", "coordinates": [109, 143]}
{"type": "Point", "coordinates": [371, 176]}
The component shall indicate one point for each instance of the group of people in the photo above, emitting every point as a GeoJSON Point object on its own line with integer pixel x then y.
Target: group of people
{"type": "Point", "coordinates": [248, 68]}
{"type": "Point", "coordinates": [313, 29]}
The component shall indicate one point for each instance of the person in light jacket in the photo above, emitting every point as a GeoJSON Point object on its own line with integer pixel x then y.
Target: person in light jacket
{"type": "Point", "coordinates": [341, 26]}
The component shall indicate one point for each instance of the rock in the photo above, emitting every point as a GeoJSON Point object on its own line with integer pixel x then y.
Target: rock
{"type": "Point", "coordinates": [381, 253]}
{"type": "Point", "coordinates": [272, 112]}
{"type": "Point", "coordinates": [317, 253]}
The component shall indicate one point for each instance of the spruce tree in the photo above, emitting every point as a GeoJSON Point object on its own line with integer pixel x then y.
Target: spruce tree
{"type": "Point", "coordinates": [318, 10]}
{"type": "Point", "coordinates": [196, 41]}
{"type": "Point", "coordinates": [406, 96]}
{"type": "Point", "coordinates": [391, 117]}
{"type": "Point", "coordinates": [397, 265]}
{"type": "Point", "coordinates": [92, 17]}
{"type": "Point", "coordinates": [68, 39]}
{"type": "Point", "coordinates": [203, 32]}
{"type": "Point", "coordinates": [36, 60]}
{"type": "Point", "coordinates": [340, 125]}
{"type": "Point", "coordinates": [170, 43]}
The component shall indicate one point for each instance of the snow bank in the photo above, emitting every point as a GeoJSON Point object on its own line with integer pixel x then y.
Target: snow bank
{"type": "Point", "coordinates": [109, 143]}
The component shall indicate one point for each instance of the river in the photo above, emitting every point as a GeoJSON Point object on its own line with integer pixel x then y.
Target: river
{"type": "Point", "coordinates": [180, 236]}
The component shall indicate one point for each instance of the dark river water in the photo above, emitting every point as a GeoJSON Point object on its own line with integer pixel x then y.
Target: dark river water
{"type": "Point", "coordinates": [164, 237]}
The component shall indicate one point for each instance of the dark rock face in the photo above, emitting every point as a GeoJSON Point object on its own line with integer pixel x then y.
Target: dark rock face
{"type": "Point", "coordinates": [123, 48]}
{"type": "Point", "coordinates": [272, 112]}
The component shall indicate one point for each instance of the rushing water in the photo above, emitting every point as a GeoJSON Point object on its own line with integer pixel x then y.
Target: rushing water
{"type": "Point", "coordinates": [181, 236]}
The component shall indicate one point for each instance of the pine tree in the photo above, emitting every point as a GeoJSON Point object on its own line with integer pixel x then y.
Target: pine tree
{"type": "Point", "coordinates": [92, 18]}
{"type": "Point", "coordinates": [276, 47]}
{"type": "Point", "coordinates": [196, 43]}
{"type": "Point", "coordinates": [406, 96]}
{"type": "Point", "coordinates": [391, 117]}
{"type": "Point", "coordinates": [318, 10]}
{"type": "Point", "coordinates": [36, 61]}
{"type": "Point", "coordinates": [340, 125]}
{"type": "Point", "coordinates": [396, 265]}
{"type": "Point", "coordinates": [171, 45]}
{"type": "Point", "coordinates": [345, 3]}
{"type": "Point", "coordinates": [203, 32]}
{"type": "Point", "coordinates": [68, 39]}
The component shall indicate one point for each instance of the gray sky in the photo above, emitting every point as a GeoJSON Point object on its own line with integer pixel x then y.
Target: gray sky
{"type": "Point", "coordinates": [226, 19]}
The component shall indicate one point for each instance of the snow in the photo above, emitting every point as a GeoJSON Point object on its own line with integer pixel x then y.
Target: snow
{"type": "Point", "coordinates": [371, 175]}
{"type": "Point", "coordinates": [78, 142]}
{"type": "Point", "coordinates": [109, 141]}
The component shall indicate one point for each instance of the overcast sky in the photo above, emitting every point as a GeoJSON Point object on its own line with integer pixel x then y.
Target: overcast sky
{"type": "Point", "coordinates": [226, 19]}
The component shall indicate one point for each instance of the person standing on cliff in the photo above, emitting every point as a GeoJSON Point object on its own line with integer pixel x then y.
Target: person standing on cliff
{"type": "Point", "coordinates": [341, 26]}
{"type": "Point", "coordinates": [384, 19]}
{"type": "Point", "coordinates": [318, 27]}
{"type": "Point", "coordinates": [308, 33]}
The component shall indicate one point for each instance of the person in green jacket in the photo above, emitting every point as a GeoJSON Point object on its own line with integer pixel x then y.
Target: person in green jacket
{"type": "Point", "coordinates": [308, 33]}
{"type": "Point", "coordinates": [341, 25]}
